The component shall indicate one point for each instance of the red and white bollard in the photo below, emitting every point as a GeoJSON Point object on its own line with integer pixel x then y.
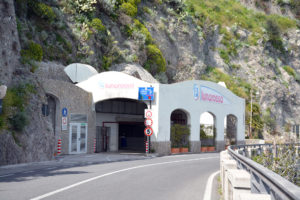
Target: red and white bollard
{"type": "Point", "coordinates": [94, 149]}
{"type": "Point", "coordinates": [59, 147]}
{"type": "Point", "coordinates": [147, 147]}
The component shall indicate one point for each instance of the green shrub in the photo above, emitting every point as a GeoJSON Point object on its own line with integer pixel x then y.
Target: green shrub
{"type": "Point", "coordinates": [224, 55]}
{"type": "Point", "coordinates": [128, 9]}
{"type": "Point", "coordinates": [289, 70]}
{"type": "Point", "coordinates": [142, 28]}
{"type": "Point", "coordinates": [155, 61]}
{"type": "Point", "coordinates": [179, 135]}
{"type": "Point", "coordinates": [19, 121]}
{"type": "Point", "coordinates": [97, 25]}
{"type": "Point", "coordinates": [44, 11]}
{"type": "Point", "coordinates": [134, 2]}
{"type": "Point", "coordinates": [86, 7]}
{"type": "Point", "coordinates": [106, 62]}
{"type": "Point", "coordinates": [13, 115]}
{"type": "Point", "coordinates": [274, 33]}
{"type": "Point", "coordinates": [34, 51]}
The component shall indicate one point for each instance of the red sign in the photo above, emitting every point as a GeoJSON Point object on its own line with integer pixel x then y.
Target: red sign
{"type": "Point", "coordinates": [148, 131]}
{"type": "Point", "coordinates": [148, 122]}
{"type": "Point", "coordinates": [148, 113]}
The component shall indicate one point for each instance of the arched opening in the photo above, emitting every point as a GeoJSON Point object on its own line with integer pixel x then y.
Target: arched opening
{"type": "Point", "coordinates": [230, 130]}
{"type": "Point", "coordinates": [49, 110]}
{"type": "Point", "coordinates": [120, 125]}
{"type": "Point", "coordinates": [207, 131]}
{"type": "Point", "coordinates": [180, 130]}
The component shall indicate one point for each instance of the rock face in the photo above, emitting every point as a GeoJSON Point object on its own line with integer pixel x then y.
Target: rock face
{"type": "Point", "coordinates": [36, 141]}
{"type": "Point", "coordinates": [271, 7]}
{"type": "Point", "coordinates": [134, 70]}
{"type": "Point", "coordinates": [9, 42]}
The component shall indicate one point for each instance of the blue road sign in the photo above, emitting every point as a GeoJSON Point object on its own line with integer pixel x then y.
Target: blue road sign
{"type": "Point", "coordinates": [146, 93]}
{"type": "Point", "coordinates": [64, 112]}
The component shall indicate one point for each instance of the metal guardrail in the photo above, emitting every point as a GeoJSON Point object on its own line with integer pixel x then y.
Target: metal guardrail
{"type": "Point", "coordinates": [263, 180]}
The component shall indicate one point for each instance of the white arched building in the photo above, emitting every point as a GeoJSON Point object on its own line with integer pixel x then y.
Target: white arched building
{"type": "Point", "coordinates": [119, 114]}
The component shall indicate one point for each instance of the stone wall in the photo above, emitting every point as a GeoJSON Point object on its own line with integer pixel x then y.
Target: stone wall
{"type": "Point", "coordinates": [77, 101]}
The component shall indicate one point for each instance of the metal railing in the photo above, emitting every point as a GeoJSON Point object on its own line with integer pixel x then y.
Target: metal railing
{"type": "Point", "coordinates": [263, 180]}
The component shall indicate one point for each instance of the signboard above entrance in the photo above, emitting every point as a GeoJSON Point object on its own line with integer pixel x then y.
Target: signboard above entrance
{"type": "Point", "coordinates": [146, 93]}
{"type": "Point", "coordinates": [211, 95]}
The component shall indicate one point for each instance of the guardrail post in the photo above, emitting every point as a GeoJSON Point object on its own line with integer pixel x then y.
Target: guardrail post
{"type": "Point", "coordinates": [238, 182]}
{"type": "Point", "coordinates": [227, 165]}
{"type": "Point", "coordinates": [247, 196]}
{"type": "Point", "coordinates": [224, 156]}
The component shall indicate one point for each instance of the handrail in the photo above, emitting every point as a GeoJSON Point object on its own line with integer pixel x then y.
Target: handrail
{"type": "Point", "coordinates": [264, 180]}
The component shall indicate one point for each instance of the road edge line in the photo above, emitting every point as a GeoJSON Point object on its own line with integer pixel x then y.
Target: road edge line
{"type": "Point", "coordinates": [114, 172]}
{"type": "Point", "coordinates": [208, 188]}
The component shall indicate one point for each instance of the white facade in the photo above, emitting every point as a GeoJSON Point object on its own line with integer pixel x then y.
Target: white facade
{"type": "Point", "coordinates": [193, 97]}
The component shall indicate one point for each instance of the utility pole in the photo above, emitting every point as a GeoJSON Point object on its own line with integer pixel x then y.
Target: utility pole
{"type": "Point", "coordinates": [250, 123]}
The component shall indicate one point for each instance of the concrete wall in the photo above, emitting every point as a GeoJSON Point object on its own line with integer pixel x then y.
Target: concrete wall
{"type": "Point", "coordinates": [110, 85]}
{"type": "Point", "coordinates": [180, 96]}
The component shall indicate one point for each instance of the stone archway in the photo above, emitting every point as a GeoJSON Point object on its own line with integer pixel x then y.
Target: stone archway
{"type": "Point", "coordinates": [180, 129]}
{"type": "Point", "coordinates": [230, 133]}
{"type": "Point", "coordinates": [208, 131]}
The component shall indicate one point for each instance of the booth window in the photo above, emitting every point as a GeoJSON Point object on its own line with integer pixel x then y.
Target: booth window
{"type": "Point", "coordinates": [45, 110]}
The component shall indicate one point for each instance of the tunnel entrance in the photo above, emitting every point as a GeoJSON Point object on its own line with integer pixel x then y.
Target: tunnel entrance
{"type": "Point", "coordinates": [123, 120]}
{"type": "Point", "coordinates": [131, 136]}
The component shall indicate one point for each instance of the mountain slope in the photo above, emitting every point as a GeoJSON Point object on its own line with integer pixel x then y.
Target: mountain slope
{"type": "Point", "coordinates": [255, 53]}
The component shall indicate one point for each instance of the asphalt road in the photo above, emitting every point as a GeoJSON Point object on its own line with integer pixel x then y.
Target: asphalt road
{"type": "Point", "coordinates": [181, 177]}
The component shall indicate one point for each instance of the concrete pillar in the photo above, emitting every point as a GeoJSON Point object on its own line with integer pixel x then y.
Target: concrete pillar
{"type": "Point", "coordinates": [247, 196]}
{"type": "Point", "coordinates": [219, 123]}
{"type": "Point", "coordinates": [195, 144]}
{"type": "Point", "coordinates": [223, 156]}
{"type": "Point", "coordinates": [238, 181]}
{"type": "Point", "coordinates": [227, 165]}
{"type": "Point", "coordinates": [241, 129]}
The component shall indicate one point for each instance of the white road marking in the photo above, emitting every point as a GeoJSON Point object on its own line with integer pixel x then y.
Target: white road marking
{"type": "Point", "coordinates": [208, 188]}
{"type": "Point", "coordinates": [51, 168]}
{"type": "Point", "coordinates": [6, 175]}
{"type": "Point", "coordinates": [114, 172]}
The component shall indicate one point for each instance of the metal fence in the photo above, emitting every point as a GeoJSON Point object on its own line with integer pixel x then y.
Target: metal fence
{"type": "Point", "coordinates": [263, 180]}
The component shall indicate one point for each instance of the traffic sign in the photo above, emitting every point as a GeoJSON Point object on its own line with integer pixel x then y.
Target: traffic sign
{"type": "Point", "coordinates": [148, 113]}
{"type": "Point", "coordinates": [64, 123]}
{"type": "Point", "coordinates": [146, 93]}
{"type": "Point", "coordinates": [64, 112]}
{"type": "Point", "coordinates": [148, 122]}
{"type": "Point", "coordinates": [148, 131]}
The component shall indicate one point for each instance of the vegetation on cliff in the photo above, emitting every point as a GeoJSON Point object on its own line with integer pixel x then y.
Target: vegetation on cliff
{"type": "Point", "coordinates": [102, 33]}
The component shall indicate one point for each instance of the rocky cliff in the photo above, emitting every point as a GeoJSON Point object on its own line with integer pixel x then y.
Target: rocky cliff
{"type": "Point", "coordinates": [253, 46]}
{"type": "Point", "coordinates": [24, 136]}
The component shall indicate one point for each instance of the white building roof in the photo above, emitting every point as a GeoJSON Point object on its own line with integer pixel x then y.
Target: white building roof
{"type": "Point", "coordinates": [78, 72]}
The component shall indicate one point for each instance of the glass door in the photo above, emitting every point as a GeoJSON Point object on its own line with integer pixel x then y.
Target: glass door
{"type": "Point", "coordinates": [78, 137]}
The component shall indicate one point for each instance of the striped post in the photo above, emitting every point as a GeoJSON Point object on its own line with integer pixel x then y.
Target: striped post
{"type": "Point", "coordinates": [147, 147]}
{"type": "Point", "coordinates": [94, 150]}
{"type": "Point", "coordinates": [59, 147]}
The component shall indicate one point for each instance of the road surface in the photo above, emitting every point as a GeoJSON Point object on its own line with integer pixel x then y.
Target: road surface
{"type": "Point", "coordinates": [162, 178]}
